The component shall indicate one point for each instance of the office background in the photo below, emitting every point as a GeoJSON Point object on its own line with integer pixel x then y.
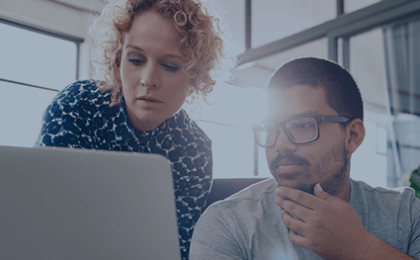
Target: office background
{"type": "Point", "coordinates": [45, 47]}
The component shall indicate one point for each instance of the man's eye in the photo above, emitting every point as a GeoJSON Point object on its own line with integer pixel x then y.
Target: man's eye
{"type": "Point", "coordinates": [302, 125]}
{"type": "Point", "coordinates": [171, 67]}
{"type": "Point", "coordinates": [136, 61]}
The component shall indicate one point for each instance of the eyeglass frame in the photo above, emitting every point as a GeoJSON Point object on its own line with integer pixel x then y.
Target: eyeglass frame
{"type": "Point", "coordinates": [318, 118]}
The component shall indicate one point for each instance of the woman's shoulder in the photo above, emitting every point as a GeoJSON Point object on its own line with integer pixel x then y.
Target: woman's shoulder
{"type": "Point", "coordinates": [183, 120]}
{"type": "Point", "coordinates": [84, 92]}
{"type": "Point", "coordinates": [186, 132]}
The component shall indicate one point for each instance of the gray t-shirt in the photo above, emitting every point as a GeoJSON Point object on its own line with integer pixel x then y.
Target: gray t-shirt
{"type": "Point", "coordinates": [248, 225]}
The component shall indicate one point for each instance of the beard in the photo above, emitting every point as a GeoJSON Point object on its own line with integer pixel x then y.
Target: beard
{"type": "Point", "coordinates": [337, 163]}
{"type": "Point", "coordinates": [333, 164]}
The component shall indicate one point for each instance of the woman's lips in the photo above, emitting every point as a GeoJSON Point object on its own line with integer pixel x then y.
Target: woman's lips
{"type": "Point", "coordinates": [149, 103]}
{"type": "Point", "coordinates": [149, 99]}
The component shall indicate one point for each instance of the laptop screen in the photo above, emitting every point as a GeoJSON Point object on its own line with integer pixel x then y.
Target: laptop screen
{"type": "Point", "coordinates": [60, 203]}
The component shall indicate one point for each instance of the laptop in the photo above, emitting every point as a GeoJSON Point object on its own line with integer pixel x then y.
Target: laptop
{"type": "Point", "coordinates": [60, 203]}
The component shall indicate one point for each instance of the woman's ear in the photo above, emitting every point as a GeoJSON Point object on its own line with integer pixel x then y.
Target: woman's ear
{"type": "Point", "coordinates": [355, 133]}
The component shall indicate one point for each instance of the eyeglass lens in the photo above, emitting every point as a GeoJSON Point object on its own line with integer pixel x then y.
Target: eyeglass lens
{"type": "Point", "coordinates": [299, 130]}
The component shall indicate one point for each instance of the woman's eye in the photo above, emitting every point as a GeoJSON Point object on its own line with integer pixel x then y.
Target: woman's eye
{"type": "Point", "coordinates": [171, 67]}
{"type": "Point", "coordinates": [136, 61]}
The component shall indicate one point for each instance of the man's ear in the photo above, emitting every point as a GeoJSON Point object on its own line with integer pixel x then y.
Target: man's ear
{"type": "Point", "coordinates": [355, 133]}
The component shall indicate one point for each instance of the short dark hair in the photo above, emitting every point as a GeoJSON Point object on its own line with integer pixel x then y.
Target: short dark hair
{"type": "Point", "coordinates": [341, 91]}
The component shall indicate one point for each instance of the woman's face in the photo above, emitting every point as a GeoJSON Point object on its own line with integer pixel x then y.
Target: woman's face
{"type": "Point", "coordinates": [153, 83]}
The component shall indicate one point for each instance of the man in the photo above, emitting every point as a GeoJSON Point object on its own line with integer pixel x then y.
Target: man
{"type": "Point", "coordinates": [311, 209]}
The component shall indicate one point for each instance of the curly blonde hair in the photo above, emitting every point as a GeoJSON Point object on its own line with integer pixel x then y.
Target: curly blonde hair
{"type": "Point", "coordinates": [201, 43]}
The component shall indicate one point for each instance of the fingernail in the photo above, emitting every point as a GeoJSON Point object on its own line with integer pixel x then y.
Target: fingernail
{"type": "Point", "coordinates": [278, 191]}
{"type": "Point", "coordinates": [318, 186]}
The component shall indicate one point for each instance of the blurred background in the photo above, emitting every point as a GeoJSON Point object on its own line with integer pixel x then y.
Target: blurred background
{"type": "Point", "coordinates": [44, 47]}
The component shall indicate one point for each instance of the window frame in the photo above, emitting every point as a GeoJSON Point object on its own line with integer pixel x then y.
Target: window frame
{"type": "Point", "coordinates": [76, 40]}
{"type": "Point", "coordinates": [344, 26]}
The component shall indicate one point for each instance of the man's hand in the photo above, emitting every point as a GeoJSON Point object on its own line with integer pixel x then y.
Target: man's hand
{"type": "Point", "coordinates": [326, 225]}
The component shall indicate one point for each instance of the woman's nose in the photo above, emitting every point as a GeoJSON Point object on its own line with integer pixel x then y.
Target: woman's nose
{"type": "Point", "coordinates": [150, 76]}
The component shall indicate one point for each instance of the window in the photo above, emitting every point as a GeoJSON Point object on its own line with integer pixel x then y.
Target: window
{"type": "Point", "coordinates": [354, 5]}
{"type": "Point", "coordinates": [383, 61]}
{"type": "Point", "coordinates": [367, 65]}
{"type": "Point", "coordinates": [280, 31]}
{"type": "Point", "coordinates": [381, 64]}
{"type": "Point", "coordinates": [402, 52]}
{"type": "Point", "coordinates": [273, 20]}
{"type": "Point", "coordinates": [233, 14]}
{"type": "Point", "coordinates": [227, 121]}
{"type": "Point", "coordinates": [33, 68]}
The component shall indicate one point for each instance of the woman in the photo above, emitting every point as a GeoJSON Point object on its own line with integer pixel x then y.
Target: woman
{"type": "Point", "coordinates": [152, 54]}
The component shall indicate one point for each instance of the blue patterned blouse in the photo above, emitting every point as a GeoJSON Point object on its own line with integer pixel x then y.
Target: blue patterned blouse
{"type": "Point", "coordinates": [80, 117]}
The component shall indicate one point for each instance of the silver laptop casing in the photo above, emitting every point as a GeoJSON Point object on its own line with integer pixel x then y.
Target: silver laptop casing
{"type": "Point", "coordinates": [60, 203]}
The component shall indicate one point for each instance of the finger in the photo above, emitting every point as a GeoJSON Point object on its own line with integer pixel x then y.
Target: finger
{"type": "Point", "coordinates": [293, 223]}
{"type": "Point", "coordinates": [320, 193]}
{"type": "Point", "coordinates": [305, 199]}
{"type": "Point", "coordinates": [279, 201]}
{"type": "Point", "coordinates": [297, 239]}
{"type": "Point", "coordinates": [295, 209]}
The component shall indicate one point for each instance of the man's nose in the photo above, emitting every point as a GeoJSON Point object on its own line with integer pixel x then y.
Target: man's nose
{"type": "Point", "coordinates": [283, 142]}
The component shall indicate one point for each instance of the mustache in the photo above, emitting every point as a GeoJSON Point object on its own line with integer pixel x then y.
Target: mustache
{"type": "Point", "coordinates": [289, 157]}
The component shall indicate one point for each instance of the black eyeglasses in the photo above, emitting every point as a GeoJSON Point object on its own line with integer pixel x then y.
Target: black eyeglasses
{"type": "Point", "coordinates": [299, 130]}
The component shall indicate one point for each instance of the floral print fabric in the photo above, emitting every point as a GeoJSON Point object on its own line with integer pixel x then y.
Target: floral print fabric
{"type": "Point", "coordinates": [80, 117]}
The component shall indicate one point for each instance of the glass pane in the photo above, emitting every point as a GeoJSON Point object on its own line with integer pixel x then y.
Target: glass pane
{"type": "Point", "coordinates": [273, 20]}
{"type": "Point", "coordinates": [353, 5]}
{"type": "Point", "coordinates": [21, 110]}
{"type": "Point", "coordinates": [233, 24]}
{"type": "Point", "coordinates": [367, 65]}
{"type": "Point", "coordinates": [227, 120]}
{"type": "Point", "coordinates": [408, 139]}
{"type": "Point", "coordinates": [257, 73]}
{"type": "Point", "coordinates": [35, 58]}
{"type": "Point", "coordinates": [367, 164]}
{"type": "Point", "coordinates": [230, 105]}
{"type": "Point", "coordinates": [233, 154]}
{"type": "Point", "coordinates": [402, 50]}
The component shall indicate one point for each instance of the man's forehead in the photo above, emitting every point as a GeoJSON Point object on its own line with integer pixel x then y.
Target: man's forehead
{"type": "Point", "coordinates": [275, 116]}
{"type": "Point", "coordinates": [295, 101]}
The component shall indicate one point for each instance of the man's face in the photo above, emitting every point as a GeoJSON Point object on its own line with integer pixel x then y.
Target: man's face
{"type": "Point", "coordinates": [301, 166]}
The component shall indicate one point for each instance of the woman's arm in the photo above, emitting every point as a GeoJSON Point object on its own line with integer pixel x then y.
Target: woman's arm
{"type": "Point", "coordinates": [192, 164]}
{"type": "Point", "coordinates": [68, 120]}
{"type": "Point", "coordinates": [192, 191]}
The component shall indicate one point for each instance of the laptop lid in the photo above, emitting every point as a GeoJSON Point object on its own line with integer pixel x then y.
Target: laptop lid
{"type": "Point", "coordinates": [60, 203]}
